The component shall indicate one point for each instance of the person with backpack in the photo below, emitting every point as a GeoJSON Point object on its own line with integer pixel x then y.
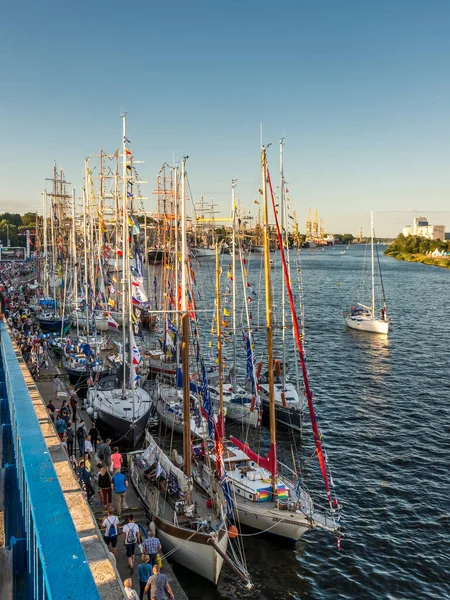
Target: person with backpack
{"type": "Point", "coordinates": [111, 525]}
{"type": "Point", "coordinates": [131, 537]}
{"type": "Point", "coordinates": [81, 437]}
{"type": "Point", "coordinates": [104, 454]}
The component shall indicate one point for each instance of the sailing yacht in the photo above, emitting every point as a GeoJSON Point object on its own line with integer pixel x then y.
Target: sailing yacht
{"type": "Point", "coordinates": [368, 318]}
{"type": "Point", "coordinates": [118, 404]}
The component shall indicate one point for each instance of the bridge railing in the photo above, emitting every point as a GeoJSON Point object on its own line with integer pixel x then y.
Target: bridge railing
{"type": "Point", "coordinates": [48, 559]}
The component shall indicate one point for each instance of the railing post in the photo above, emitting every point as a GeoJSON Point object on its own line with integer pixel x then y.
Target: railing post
{"type": "Point", "coordinates": [14, 525]}
{"type": "Point", "coordinates": [21, 583]}
{"type": "Point", "coordinates": [6, 449]}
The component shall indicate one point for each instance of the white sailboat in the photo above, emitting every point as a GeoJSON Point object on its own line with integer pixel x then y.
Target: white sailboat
{"type": "Point", "coordinates": [121, 405]}
{"type": "Point", "coordinates": [368, 318]}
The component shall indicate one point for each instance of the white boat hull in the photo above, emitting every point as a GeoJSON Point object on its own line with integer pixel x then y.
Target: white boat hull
{"type": "Point", "coordinates": [116, 412]}
{"type": "Point", "coordinates": [290, 526]}
{"type": "Point", "coordinates": [367, 325]}
{"type": "Point", "coordinates": [200, 558]}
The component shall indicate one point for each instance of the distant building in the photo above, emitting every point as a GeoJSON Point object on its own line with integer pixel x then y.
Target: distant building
{"type": "Point", "coordinates": [424, 229]}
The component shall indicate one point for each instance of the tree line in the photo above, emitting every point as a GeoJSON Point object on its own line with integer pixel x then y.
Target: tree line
{"type": "Point", "coordinates": [415, 244]}
{"type": "Point", "coordinates": [13, 227]}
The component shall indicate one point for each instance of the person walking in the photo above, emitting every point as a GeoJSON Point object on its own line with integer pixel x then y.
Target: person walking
{"type": "Point", "coordinates": [104, 454]}
{"type": "Point", "coordinates": [104, 485]}
{"type": "Point", "coordinates": [144, 572]}
{"type": "Point", "coordinates": [93, 432]}
{"type": "Point", "coordinates": [56, 386]}
{"type": "Point", "coordinates": [116, 460]}
{"type": "Point", "coordinates": [119, 484]}
{"type": "Point", "coordinates": [131, 537]}
{"type": "Point", "coordinates": [70, 436]}
{"type": "Point", "coordinates": [88, 446]}
{"type": "Point", "coordinates": [85, 477]}
{"type": "Point", "coordinates": [151, 546]}
{"type": "Point", "coordinates": [158, 584]}
{"type": "Point", "coordinates": [111, 525]}
{"type": "Point", "coordinates": [64, 411]}
{"type": "Point", "coordinates": [60, 427]}
{"type": "Point", "coordinates": [129, 592]}
{"type": "Point", "coordinates": [81, 437]}
{"type": "Point", "coordinates": [73, 401]}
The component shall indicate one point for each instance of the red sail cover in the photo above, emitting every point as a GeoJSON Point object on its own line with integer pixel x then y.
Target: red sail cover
{"type": "Point", "coordinates": [269, 463]}
{"type": "Point", "coordinates": [315, 428]}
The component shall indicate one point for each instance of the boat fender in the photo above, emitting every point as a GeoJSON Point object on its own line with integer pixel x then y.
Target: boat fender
{"type": "Point", "coordinates": [252, 404]}
{"type": "Point", "coordinates": [278, 367]}
{"type": "Point", "coordinates": [258, 370]}
{"type": "Point", "coordinates": [95, 415]}
{"type": "Point", "coordinates": [283, 400]}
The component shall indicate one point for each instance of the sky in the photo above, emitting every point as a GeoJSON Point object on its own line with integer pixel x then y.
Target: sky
{"type": "Point", "coordinates": [359, 90]}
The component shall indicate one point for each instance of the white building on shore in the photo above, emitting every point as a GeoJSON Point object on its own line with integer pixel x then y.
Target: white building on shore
{"type": "Point", "coordinates": [424, 229]}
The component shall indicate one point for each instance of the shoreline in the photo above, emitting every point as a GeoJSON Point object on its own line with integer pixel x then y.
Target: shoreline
{"type": "Point", "coordinates": [425, 259]}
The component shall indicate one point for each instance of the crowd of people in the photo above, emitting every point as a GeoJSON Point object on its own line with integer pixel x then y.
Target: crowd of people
{"type": "Point", "coordinates": [82, 443]}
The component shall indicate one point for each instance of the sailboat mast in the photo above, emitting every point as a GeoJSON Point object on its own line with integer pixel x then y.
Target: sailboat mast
{"type": "Point", "coordinates": [283, 293]}
{"type": "Point", "coordinates": [124, 256]}
{"type": "Point", "coordinates": [74, 258]}
{"type": "Point", "coordinates": [373, 264]}
{"type": "Point", "coordinates": [219, 339]}
{"type": "Point", "coordinates": [85, 244]}
{"type": "Point", "coordinates": [233, 250]}
{"type": "Point", "coordinates": [185, 335]}
{"type": "Point", "coordinates": [45, 223]}
{"type": "Point", "coordinates": [273, 434]}
{"type": "Point", "coordinates": [177, 250]}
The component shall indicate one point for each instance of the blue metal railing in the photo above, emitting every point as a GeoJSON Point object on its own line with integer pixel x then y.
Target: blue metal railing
{"type": "Point", "coordinates": [48, 559]}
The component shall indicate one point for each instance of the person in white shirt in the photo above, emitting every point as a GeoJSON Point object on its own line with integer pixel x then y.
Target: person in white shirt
{"type": "Point", "coordinates": [129, 592]}
{"type": "Point", "coordinates": [111, 525]}
{"type": "Point", "coordinates": [88, 446]}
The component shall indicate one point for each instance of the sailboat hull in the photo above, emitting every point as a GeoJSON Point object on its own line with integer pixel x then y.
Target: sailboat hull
{"type": "Point", "coordinates": [367, 325]}
{"type": "Point", "coordinates": [283, 524]}
{"type": "Point", "coordinates": [114, 412]}
{"type": "Point", "coordinates": [192, 550]}
{"type": "Point", "coordinates": [290, 417]}
{"type": "Point", "coordinates": [122, 427]}
{"type": "Point", "coordinates": [54, 325]}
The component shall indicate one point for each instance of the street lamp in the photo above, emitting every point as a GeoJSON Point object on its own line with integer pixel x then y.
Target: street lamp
{"type": "Point", "coordinates": [7, 236]}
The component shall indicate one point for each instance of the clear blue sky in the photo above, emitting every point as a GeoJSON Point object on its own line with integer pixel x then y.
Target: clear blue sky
{"type": "Point", "coordinates": [359, 88]}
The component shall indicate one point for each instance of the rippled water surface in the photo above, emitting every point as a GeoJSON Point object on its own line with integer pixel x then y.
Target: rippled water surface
{"type": "Point", "coordinates": [384, 406]}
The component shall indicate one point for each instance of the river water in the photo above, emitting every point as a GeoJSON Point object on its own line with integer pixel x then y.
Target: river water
{"type": "Point", "coordinates": [384, 407]}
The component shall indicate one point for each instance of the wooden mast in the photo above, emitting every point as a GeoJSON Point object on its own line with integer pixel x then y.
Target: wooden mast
{"type": "Point", "coordinates": [273, 435]}
{"type": "Point", "coordinates": [219, 341]}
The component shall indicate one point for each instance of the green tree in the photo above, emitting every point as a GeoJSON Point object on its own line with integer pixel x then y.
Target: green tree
{"type": "Point", "coordinates": [347, 238]}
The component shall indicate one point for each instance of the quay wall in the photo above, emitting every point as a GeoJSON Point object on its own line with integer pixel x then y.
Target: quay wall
{"type": "Point", "coordinates": [52, 542]}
